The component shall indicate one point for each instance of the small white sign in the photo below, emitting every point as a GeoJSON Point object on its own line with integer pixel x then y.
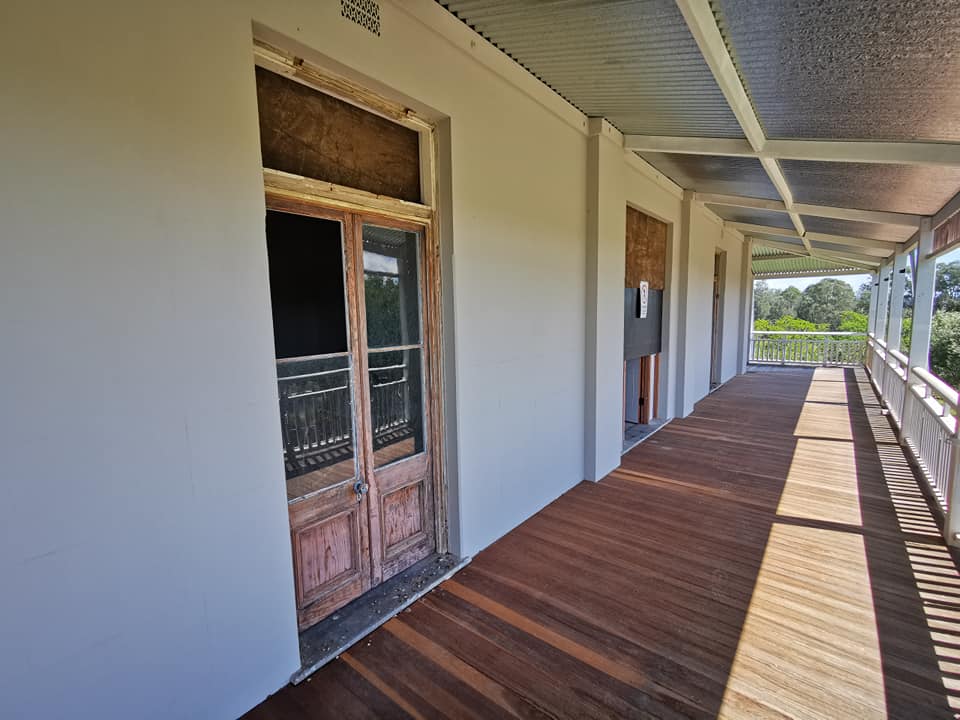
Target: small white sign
{"type": "Point", "coordinates": [643, 292]}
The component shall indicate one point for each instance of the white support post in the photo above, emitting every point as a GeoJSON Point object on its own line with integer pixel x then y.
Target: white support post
{"type": "Point", "coordinates": [606, 240]}
{"type": "Point", "coordinates": [898, 286]}
{"type": "Point", "coordinates": [883, 296]}
{"type": "Point", "coordinates": [923, 294]}
{"type": "Point", "coordinates": [874, 293]}
{"type": "Point", "coordinates": [746, 304]}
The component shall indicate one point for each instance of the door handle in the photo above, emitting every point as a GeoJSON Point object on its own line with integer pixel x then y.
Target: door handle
{"type": "Point", "coordinates": [360, 488]}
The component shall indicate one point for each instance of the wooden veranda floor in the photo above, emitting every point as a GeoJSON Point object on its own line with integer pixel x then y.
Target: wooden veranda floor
{"type": "Point", "coordinates": [769, 556]}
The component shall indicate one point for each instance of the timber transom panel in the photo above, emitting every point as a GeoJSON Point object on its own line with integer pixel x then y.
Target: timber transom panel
{"type": "Point", "coordinates": [769, 556]}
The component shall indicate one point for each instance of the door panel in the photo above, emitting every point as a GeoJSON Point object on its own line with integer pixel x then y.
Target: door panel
{"type": "Point", "coordinates": [330, 553]}
{"type": "Point", "coordinates": [400, 468]}
{"type": "Point", "coordinates": [315, 334]}
{"type": "Point", "coordinates": [347, 305]}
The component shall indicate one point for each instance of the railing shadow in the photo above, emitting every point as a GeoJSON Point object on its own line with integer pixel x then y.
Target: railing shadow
{"type": "Point", "coordinates": [913, 575]}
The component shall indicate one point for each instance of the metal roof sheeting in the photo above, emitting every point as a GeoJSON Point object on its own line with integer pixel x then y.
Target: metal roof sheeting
{"type": "Point", "coordinates": [633, 62]}
{"type": "Point", "coordinates": [770, 218]}
{"type": "Point", "coordinates": [849, 69]}
{"type": "Point", "coordinates": [854, 228]}
{"type": "Point", "coordinates": [773, 263]}
{"type": "Point", "coordinates": [920, 190]}
{"type": "Point", "coordinates": [715, 174]}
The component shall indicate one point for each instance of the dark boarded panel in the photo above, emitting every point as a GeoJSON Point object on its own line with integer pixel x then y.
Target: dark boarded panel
{"type": "Point", "coordinates": [305, 132]}
{"type": "Point", "coordinates": [947, 234]}
{"type": "Point", "coordinates": [646, 250]}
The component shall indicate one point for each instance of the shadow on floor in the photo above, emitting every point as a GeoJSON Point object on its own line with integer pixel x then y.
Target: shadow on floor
{"type": "Point", "coordinates": [770, 555]}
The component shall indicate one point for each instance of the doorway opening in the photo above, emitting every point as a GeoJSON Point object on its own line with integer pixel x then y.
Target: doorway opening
{"type": "Point", "coordinates": [354, 283]}
{"type": "Point", "coordinates": [646, 248]}
{"type": "Point", "coordinates": [716, 335]}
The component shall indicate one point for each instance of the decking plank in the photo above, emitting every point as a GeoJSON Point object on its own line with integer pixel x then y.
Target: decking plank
{"type": "Point", "coordinates": [772, 555]}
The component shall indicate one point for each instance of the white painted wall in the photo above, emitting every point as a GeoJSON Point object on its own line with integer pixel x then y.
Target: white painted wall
{"type": "Point", "coordinates": [143, 533]}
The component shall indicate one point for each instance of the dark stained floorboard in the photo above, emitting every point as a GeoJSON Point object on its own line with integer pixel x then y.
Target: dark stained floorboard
{"type": "Point", "coordinates": [769, 556]}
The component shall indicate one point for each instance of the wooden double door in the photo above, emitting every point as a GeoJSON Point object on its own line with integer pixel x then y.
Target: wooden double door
{"type": "Point", "coordinates": [352, 328]}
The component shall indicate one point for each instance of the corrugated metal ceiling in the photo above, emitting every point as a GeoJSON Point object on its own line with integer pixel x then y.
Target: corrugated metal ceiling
{"type": "Point", "coordinates": [715, 174]}
{"type": "Point", "coordinates": [752, 216]}
{"type": "Point", "coordinates": [853, 228]}
{"type": "Point", "coordinates": [770, 262]}
{"type": "Point", "coordinates": [633, 62]}
{"type": "Point", "coordinates": [898, 188]}
{"type": "Point", "coordinates": [848, 69]}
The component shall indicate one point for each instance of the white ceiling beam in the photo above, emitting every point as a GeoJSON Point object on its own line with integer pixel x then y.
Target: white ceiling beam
{"type": "Point", "coordinates": [865, 151]}
{"type": "Point", "coordinates": [699, 18]}
{"type": "Point", "coordinates": [825, 211]}
{"type": "Point", "coordinates": [873, 216]}
{"type": "Point", "coordinates": [845, 151]}
{"type": "Point", "coordinates": [861, 260]}
{"type": "Point", "coordinates": [703, 26]}
{"type": "Point", "coordinates": [748, 228]}
{"type": "Point", "coordinates": [730, 147]}
{"type": "Point", "coordinates": [883, 248]}
{"type": "Point", "coordinates": [809, 273]}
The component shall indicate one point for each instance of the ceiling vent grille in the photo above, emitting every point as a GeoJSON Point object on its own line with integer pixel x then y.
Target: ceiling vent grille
{"type": "Point", "coordinates": [365, 13]}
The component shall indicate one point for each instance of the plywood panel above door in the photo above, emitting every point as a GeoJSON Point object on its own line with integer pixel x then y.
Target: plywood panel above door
{"type": "Point", "coordinates": [306, 132]}
{"type": "Point", "coordinates": [646, 250]}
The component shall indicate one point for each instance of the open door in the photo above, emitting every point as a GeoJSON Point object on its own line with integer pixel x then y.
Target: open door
{"type": "Point", "coordinates": [347, 301]}
{"type": "Point", "coordinates": [716, 338]}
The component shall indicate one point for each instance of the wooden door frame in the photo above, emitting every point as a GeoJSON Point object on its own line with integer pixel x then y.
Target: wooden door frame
{"type": "Point", "coordinates": [716, 332]}
{"type": "Point", "coordinates": [285, 194]}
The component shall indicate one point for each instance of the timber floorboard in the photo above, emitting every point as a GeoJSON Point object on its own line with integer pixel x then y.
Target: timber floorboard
{"type": "Point", "coordinates": [770, 556]}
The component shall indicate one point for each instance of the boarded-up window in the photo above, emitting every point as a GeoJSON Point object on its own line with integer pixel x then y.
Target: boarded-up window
{"type": "Point", "coordinates": [306, 132]}
{"type": "Point", "coordinates": [947, 234]}
{"type": "Point", "coordinates": [646, 250]}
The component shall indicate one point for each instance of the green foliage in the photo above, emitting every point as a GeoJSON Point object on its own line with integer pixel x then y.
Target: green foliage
{"type": "Point", "coordinates": [382, 297]}
{"type": "Point", "coordinates": [786, 303]}
{"type": "Point", "coordinates": [862, 298]}
{"type": "Point", "coordinates": [822, 304]}
{"type": "Point", "coordinates": [853, 321]}
{"type": "Point", "coordinates": [787, 323]}
{"type": "Point", "coordinates": [947, 287]}
{"type": "Point", "coordinates": [945, 347]}
{"type": "Point", "coordinates": [826, 301]}
{"type": "Point", "coordinates": [763, 297]}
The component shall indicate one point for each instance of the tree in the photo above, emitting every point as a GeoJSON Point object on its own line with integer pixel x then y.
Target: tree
{"type": "Point", "coordinates": [945, 346]}
{"type": "Point", "coordinates": [785, 303]}
{"type": "Point", "coordinates": [862, 298]}
{"type": "Point", "coordinates": [852, 321]}
{"type": "Point", "coordinates": [826, 301]}
{"type": "Point", "coordinates": [763, 296]}
{"type": "Point", "coordinates": [947, 287]}
{"type": "Point", "coordinates": [788, 323]}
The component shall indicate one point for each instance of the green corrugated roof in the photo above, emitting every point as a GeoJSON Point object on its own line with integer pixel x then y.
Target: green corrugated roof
{"type": "Point", "coordinates": [773, 263]}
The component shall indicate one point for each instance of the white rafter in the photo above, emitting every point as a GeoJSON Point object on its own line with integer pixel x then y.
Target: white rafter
{"type": "Point", "coordinates": [703, 26]}
{"type": "Point", "coordinates": [883, 248]}
{"type": "Point", "coordinates": [824, 211]}
{"type": "Point", "coordinates": [850, 259]}
{"type": "Point", "coordinates": [846, 151]}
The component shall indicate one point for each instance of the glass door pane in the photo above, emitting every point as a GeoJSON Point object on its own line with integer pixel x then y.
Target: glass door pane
{"type": "Point", "coordinates": [311, 337]}
{"type": "Point", "coordinates": [391, 279]}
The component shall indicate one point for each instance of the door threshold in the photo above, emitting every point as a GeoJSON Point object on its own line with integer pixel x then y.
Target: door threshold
{"type": "Point", "coordinates": [350, 624]}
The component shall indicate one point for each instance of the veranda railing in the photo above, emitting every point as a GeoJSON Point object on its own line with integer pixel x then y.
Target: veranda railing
{"type": "Point", "coordinates": [924, 410]}
{"type": "Point", "coordinates": [778, 347]}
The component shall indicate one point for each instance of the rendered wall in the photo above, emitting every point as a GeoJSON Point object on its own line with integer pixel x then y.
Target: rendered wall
{"type": "Point", "coordinates": [145, 548]}
{"type": "Point", "coordinates": [143, 534]}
